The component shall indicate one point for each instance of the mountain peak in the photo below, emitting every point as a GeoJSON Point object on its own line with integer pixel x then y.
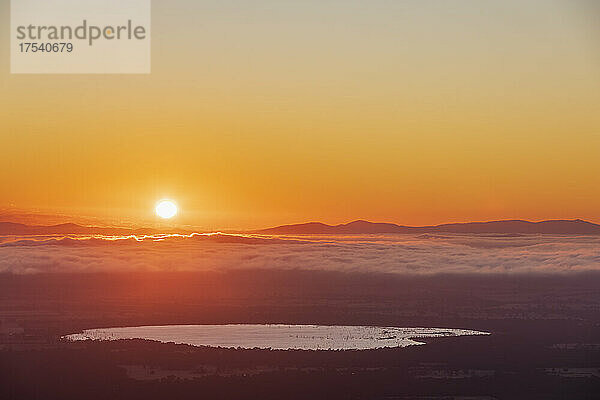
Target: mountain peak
{"type": "Point", "coordinates": [557, 227]}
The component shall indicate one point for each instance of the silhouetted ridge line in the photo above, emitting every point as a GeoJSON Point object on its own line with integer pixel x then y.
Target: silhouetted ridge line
{"type": "Point", "coordinates": [12, 228]}
{"type": "Point", "coordinates": [557, 227]}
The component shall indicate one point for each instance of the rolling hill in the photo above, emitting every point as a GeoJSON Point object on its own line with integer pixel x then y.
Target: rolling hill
{"type": "Point", "coordinates": [557, 227]}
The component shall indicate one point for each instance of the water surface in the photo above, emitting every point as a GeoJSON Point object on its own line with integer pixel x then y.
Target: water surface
{"type": "Point", "coordinates": [280, 337]}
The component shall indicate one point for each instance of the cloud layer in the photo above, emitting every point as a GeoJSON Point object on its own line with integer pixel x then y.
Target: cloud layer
{"type": "Point", "coordinates": [400, 254]}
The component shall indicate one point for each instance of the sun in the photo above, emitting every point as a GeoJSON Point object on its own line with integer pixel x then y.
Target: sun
{"type": "Point", "coordinates": [166, 209]}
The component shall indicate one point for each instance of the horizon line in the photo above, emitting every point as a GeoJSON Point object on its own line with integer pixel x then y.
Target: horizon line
{"type": "Point", "coordinates": [190, 228]}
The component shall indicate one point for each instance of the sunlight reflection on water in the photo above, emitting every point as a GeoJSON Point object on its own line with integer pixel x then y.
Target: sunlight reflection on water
{"type": "Point", "coordinates": [281, 337]}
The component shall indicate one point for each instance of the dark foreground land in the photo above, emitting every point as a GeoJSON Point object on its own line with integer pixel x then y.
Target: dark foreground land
{"type": "Point", "coordinates": [545, 341]}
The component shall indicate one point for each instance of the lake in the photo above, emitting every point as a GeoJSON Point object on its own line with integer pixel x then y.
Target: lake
{"type": "Point", "coordinates": [276, 336]}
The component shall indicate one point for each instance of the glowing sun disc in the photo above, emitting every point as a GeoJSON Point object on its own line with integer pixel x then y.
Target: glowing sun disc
{"type": "Point", "coordinates": [166, 209]}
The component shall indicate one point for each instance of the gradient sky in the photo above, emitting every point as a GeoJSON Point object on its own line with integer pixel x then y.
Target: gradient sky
{"type": "Point", "coordinates": [268, 112]}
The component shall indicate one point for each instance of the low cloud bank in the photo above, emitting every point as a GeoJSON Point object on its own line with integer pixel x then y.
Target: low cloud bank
{"type": "Point", "coordinates": [401, 254]}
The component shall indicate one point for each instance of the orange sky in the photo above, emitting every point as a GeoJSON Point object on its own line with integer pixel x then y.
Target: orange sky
{"type": "Point", "coordinates": [417, 113]}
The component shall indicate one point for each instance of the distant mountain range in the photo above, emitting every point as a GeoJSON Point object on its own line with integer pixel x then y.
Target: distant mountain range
{"type": "Point", "coordinates": [557, 227]}
{"type": "Point", "coordinates": [11, 228]}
